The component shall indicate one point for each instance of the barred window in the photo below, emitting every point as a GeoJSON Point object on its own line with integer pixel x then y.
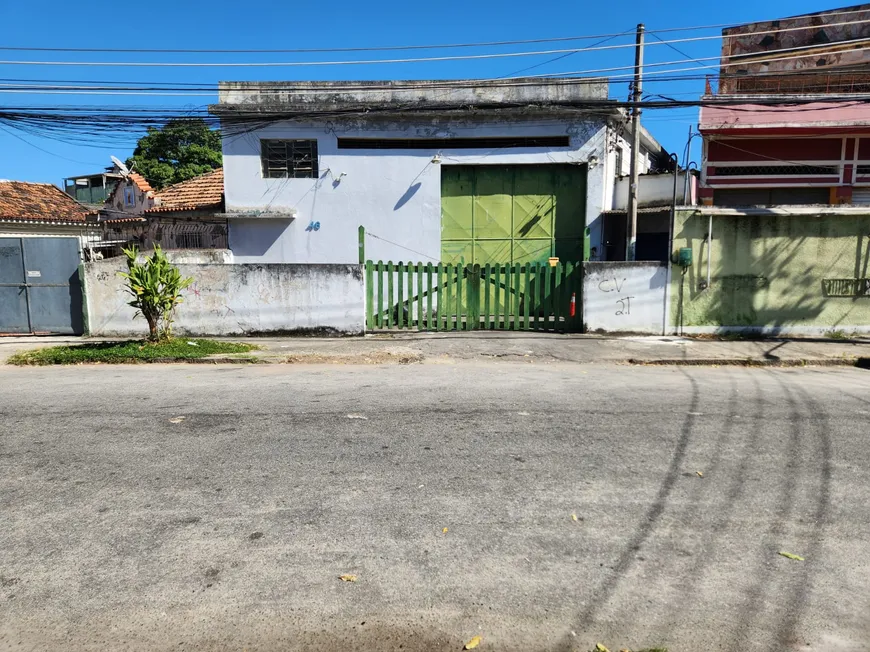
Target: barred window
{"type": "Point", "coordinates": [775, 170]}
{"type": "Point", "coordinates": [296, 159]}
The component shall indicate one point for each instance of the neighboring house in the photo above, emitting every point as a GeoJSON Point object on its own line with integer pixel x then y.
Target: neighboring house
{"type": "Point", "coordinates": [781, 244]}
{"type": "Point", "coordinates": [132, 195]}
{"type": "Point", "coordinates": [93, 189]}
{"type": "Point", "coordinates": [480, 171]}
{"type": "Point", "coordinates": [655, 201]}
{"type": "Point", "coordinates": [186, 215]}
{"type": "Point", "coordinates": [44, 236]}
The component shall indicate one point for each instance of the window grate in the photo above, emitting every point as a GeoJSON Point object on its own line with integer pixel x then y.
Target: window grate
{"type": "Point", "coordinates": [294, 159]}
{"type": "Point", "coordinates": [774, 170]}
{"type": "Point", "coordinates": [846, 287]}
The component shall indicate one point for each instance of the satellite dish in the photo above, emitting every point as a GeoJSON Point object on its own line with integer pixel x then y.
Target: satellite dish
{"type": "Point", "coordinates": [121, 166]}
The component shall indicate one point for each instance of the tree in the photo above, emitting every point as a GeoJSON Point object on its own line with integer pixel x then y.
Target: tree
{"type": "Point", "coordinates": [181, 150]}
{"type": "Point", "coordinates": [156, 288]}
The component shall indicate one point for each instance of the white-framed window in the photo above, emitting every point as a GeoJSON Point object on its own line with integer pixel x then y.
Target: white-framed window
{"type": "Point", "coordinates": [129, 196]}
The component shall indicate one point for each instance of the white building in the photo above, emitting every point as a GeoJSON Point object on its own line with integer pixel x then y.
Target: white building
{"type": "Point", "coordinates": [480, 171]}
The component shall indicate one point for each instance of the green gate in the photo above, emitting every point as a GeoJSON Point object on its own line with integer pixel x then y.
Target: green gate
{"type": "Point", "coordinates": [427, 297]}
{"type": "Point", "coordinates": [512, 213]}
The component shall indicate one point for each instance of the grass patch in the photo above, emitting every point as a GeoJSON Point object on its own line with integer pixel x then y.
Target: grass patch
{"type": "Point", "coordinates": [837, 335]}
{"type": "Point", "coordinates": [129, 351]}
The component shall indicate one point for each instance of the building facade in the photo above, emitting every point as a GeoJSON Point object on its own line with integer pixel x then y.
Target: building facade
{"type": "Point", "coordinates": [791, 132]}
{"type": "Point", "coordinates": [434, 171]}
{"type": "Point", "coordinates": [186, 215]}
{"type": "Point", "coordinates": [780, 243]}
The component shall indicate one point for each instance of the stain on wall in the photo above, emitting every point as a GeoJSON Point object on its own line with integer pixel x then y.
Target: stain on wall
{"type": "Point", "coordinates": [772, 272]}
{"type": "Point", "coordinates": [830, 63]}
{"type": "Point", "coordinates": [238, 300]}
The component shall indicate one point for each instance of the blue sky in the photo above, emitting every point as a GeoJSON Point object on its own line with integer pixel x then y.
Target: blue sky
{"type": "Point", "coordinates": [338, 23]}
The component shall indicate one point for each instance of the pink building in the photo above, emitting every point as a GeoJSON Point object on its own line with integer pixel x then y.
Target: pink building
{"type": "Point", "coordinates": [790, 122]}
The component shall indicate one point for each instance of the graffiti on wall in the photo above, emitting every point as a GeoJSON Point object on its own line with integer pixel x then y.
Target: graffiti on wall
{"type": "Point", "coordinates": [615, 284]}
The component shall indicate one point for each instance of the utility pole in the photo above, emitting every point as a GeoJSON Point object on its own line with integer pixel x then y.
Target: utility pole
{"type": "Point", "coordinates": [637, 87]}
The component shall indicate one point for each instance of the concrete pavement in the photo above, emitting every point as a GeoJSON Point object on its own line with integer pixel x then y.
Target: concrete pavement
{"type": "Point", "coordinates": [213, 508]}
{"type": "Point", "coordinates": [530, 347]}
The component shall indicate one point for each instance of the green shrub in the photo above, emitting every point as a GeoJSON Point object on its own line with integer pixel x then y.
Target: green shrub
{"type": "Point", "coordinates": [156, 287]}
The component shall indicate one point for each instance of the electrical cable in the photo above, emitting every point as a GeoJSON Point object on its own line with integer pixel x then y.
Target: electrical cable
{"type": "Point", "coordinates": [497, 55]}
{"type": "Point", "coordinates": [441, 46]}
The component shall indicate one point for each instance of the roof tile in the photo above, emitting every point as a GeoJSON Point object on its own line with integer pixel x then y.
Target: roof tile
{"type": "Point", "coordinates": [140, 182]}
{"type": "Point", "coordinates": [204, 191]}
{"type": "Point", "coordinates": [21, 200]}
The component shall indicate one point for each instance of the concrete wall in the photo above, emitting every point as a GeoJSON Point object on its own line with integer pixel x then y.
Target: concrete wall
{"type": "Point", "coordinates": [395, 194]}
{"type": "Point", "coordinates": [237, 300]}
{"type": "Point", "coordinates": [620, 297]}
{"type": "Point", "coordinates": [653, 190]}
{"type": "Point", "coordinates": [755, 49]}
{"type": "Point", "coordinates": [301, 97]}
{"type": "Point", "coordinates": [773, 273]}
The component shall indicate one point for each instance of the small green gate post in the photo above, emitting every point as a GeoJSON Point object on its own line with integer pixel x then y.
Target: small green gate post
{"type": "Point", "coordinates": [370, 321]}
{"type": "Point", "coordinates": [362, 244]}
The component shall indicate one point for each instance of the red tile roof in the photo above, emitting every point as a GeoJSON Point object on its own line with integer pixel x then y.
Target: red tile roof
{"type": "Point", "coordinates": [21, 200]}
{"type": "Point", "coordinates": [122, 220]}
{"type": "Point", "coordinates": [140, 182]}
{"type": "Point", "coordinates": [204, 191]}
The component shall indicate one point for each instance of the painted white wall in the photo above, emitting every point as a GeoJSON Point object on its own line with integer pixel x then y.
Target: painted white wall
{"type": "Point", "coordinates": [237, 300]}
{"type": "Point", "coordinates": [624, 297]}
{"type": "Point", "coordinates": [394, 194]}
{"type": "Point", "coordinates": [652, 190]}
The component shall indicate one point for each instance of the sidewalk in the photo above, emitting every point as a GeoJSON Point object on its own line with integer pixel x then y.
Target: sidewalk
{"type": "Point", "coordinates": [433, 348]}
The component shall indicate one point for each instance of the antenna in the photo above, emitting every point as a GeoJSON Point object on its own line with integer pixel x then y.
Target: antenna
{"type": "Point", "coordinates": [121, 166]}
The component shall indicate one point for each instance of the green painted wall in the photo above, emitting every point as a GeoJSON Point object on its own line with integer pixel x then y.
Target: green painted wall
{"type": "Point", "coordinates": [773, 271]}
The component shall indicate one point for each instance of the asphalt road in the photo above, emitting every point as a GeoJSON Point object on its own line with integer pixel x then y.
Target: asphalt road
{"type": "Point", "coordinates": [123, 526]}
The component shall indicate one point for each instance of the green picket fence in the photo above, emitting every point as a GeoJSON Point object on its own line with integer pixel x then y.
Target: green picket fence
{"type": "Point", "coordinates": [427, 297]}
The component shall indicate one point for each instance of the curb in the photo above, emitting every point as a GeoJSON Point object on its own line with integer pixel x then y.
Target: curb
{"type": "Point", "coordinates": [862, 363]}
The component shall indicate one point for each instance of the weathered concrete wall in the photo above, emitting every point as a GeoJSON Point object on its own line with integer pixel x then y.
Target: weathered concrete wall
{"type": "Point", "coordinates": [238, 300]}
{"type": "Point", "coordinates": [755, 49]}
{"type": "Point", "coordinates": [394, 194]}
{"type": "Point", "coordinates": [324, 95]}
{"type": "Point", "coordinates": [775, 273]}
{"type": "Point", "coordinates": [653, 190]}
{"type": "Point", "coordinates": [620, 297]}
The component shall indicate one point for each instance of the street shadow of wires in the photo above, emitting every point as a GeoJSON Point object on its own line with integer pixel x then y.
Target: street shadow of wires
{"type": "Point", "coordinates": [648, 524]}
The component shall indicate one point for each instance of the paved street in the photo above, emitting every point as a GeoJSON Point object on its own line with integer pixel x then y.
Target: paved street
{"type": "Point", "coordinates": [128, 527]}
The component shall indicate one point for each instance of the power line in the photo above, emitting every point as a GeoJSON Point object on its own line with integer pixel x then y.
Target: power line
{"type": "Point", "coordinates": [467, 57]}
{"type": "Point", "coordinates": [675, 49]}
{"type": "Point", "coordinates": [719, 66]}
{"type": "Point", "coordinates": [439, 46]}
{"type": "Point", "coordinates": [563, 56]}
{"type": "Point", "coordinates": [293, 87]}
{"type": "Point", "coordinates": [267, 87]}
{"type": "Point", "coordinates": [755, 22]}
{"type": "Point", "coordinates": [45, 151]}
{"type": "Point", "coordinates": [381, 48]}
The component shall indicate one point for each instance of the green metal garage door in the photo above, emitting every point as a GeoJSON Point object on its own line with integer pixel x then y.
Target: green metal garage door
{"type": "Point", "coordinates": [512, 213]}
